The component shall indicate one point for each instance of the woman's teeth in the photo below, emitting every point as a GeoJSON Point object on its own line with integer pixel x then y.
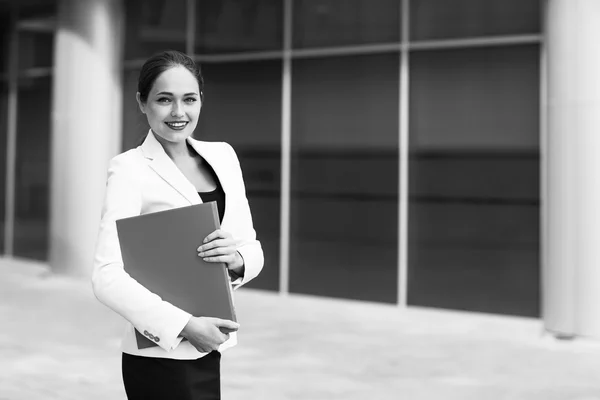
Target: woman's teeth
{"type": "Point", "coordinates": [176, 125]}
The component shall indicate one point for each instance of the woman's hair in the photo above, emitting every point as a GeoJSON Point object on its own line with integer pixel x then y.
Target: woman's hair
{"type": "Point", "coordinates": [159, 63]}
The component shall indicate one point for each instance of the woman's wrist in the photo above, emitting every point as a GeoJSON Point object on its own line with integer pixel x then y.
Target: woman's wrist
{"type": "Point", "coordinates": [237, 267]}
{"type": "Point", "coordinates": [184, 332]}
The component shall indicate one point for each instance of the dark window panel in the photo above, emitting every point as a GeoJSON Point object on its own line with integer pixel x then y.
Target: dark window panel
{"type": "Point", "coordinates": [154, 25]}
{"type": "Point", "coordinates": [36, 26]}
{"type": "Point", "coordinates": [36, 9]}
{"type": "Point", "coordinates": [3, 155]}
{"type": "Point", "coordinates": [474, 180]}
{"type": "Point", "coordinates": [243, 108]}
{"type": "Point", "coordinates": [5, 25]}
{"type": "Point", "coordinates": [135, 124]}
{"type": "Point", "coordinates": [326, 23]}
{"type": "Point", "coordinates": [36, 49]}
{"type": "Point", "coordinates": [231, 26]}
{"type": "Point", "coordinates": [484, 98]}
{"type": "Point", "coordinates": [344, 206]}
{"type": "Point", "coordinates": [434, 19]}
{"type": "Point", "coordinates": [32, 169]}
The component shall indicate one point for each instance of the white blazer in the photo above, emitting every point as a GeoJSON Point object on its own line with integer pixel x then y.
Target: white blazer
{"type": "Point", "coordinates": [145, 180]}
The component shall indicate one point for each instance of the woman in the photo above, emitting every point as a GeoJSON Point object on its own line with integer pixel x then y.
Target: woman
{"type": "Point", "coordinates": [169, 170]}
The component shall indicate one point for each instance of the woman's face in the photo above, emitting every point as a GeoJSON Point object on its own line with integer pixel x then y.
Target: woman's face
{"type": "Point", "coordinates": [173, 104]}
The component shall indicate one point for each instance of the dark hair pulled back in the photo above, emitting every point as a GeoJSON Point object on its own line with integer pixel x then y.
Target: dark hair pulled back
{"type": "Point", "coordinates": [159, 63]}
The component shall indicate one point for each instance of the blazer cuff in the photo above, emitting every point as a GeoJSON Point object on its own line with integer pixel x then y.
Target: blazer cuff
{"type": "Point", "coordinates": [253, 262]}
{"type": "Point", "coordinates": [237, 282]}
{"type": "Point", "coordinates": [171, 333]}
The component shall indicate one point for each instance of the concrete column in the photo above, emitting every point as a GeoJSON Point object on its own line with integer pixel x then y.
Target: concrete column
{"type": "Point", "coordinates": [571, 274]}
{"type": "Point", "coordinates": [86, 125]}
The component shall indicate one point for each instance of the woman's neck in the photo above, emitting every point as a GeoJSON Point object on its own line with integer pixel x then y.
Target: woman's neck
{"type": "Point", "coordinates": [175, 150]}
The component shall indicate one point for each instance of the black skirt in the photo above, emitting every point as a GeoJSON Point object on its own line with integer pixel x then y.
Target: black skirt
{"type": "Point", "coordinates": [152, 378]}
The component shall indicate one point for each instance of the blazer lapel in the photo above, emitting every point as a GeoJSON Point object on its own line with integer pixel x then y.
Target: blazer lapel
{"type": "Point", "coordinates": [215, 161]}
{"type": "Point", "coordinates": [167, 170]}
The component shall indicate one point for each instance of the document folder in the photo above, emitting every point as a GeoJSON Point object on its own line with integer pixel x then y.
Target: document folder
{"type": "Point", "coordinates": [159, 251]}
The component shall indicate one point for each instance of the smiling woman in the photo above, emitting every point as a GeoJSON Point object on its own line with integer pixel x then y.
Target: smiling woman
{"type": "Point", "coordinates": [170, 95]}
{"type": "Point", "coordinates": [172, 111]}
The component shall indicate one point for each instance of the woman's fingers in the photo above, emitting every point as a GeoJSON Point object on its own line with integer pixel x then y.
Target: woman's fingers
{"type": "Point", "coordinates": [219, 233]}
{"type": "Point", "coordinates": [217, 243]}
{"type": "Point", "coordinates": [227, 259]}
{"type": "Point", "coordinates": [219, 251]}
{"type": "Point", "coordinates": [221, 247]}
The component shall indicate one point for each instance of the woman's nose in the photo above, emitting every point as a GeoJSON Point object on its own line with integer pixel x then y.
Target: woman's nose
{"type": "Point", "coordinates": [177, 110]}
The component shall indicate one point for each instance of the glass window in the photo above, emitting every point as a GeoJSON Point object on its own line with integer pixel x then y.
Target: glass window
{"type": "Point", "coordinates": [323, 23]}
{"type": "Point", "coordinates": [32, 168]}
{"type": "Point", "coordinates": [36, 49]}
{"type": "Point", "coordinates": [3, 155]}
{"type": "Point", "coordinates": [154, 25]}
{"type": "Point", "coordinates": [228, 26]}
{"type": "Point", "coordinates": [243, 108]}
{"type": "Point", "coordinates": [434, 19]}
{"type": "Point", "coordinates": [135, 124]}
{"type": "Point", "coordinates": [344, 186]}
{"type": "Point", "coordinates": [474, 180]}
{"type": "Point", "coordinates": [4, 37]}
{"type": "Point", "coordinates": [36, 26]}
{"type": "Point", "coordinates": [37, 9]}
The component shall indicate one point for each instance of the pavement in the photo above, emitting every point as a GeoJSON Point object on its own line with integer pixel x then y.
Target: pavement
{"type": "Point", "coordinates": [58, 342]}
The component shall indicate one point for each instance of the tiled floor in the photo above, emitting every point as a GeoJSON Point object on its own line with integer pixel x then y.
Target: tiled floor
{"type": "Point", "coordinates": [58, 342]}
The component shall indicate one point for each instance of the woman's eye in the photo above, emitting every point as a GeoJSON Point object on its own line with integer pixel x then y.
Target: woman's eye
{"type": "Point", "coordinates": [163, 100]}
{"type": "Point", "coordinates": [190, 100]}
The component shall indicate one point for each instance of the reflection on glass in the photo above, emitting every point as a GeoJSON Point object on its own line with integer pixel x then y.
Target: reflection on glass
{"type": "Point", "coordinates": [242, 106]}
{"type": "Point", "coordinates": [434, 19]}
{"type": "Point", "coordinates": [32, 169]}
{"type": "Point", "coordinates": [227, 26]}
{"type": "Point", "coordinates": [474, 180]}
{"type": "Point", "coordinates": [345, 22]}
{"type": "Point", "coordinates": [3, 137]}
{"type": "Point", "coordinates": [135, 124]}
{"type": "Point", "coordinates": [344, 218]}
{"type": "Point", "coordinates": [154, 25]}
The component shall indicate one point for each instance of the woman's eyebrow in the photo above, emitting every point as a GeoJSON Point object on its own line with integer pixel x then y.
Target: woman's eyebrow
{"type": "Point", "coordinates": [171, 94]}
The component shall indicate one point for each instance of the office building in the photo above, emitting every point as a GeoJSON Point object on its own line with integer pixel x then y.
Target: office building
{"type": "Point", "coordinates": [414, 152]}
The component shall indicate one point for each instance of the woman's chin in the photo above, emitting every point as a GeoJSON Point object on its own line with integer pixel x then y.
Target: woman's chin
{"type": "Point", "coordinates": [173, 136]}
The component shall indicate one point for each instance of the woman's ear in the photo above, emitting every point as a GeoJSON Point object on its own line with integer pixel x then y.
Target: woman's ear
{"type": "Point", "coordinates": [140, 103]}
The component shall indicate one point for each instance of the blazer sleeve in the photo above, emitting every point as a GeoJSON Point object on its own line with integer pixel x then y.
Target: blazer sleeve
{"type": "Point", "coordinates": [249, 248]}
{"type": "Point", "coordinates": [112, 285]}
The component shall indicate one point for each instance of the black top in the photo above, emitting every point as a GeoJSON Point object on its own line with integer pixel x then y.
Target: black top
{"type": "Point", "coordinates": [217, 195]}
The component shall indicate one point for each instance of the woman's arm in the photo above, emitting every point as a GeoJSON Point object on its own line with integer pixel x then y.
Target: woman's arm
{"type": "Point", "coordinates": [249, 248]}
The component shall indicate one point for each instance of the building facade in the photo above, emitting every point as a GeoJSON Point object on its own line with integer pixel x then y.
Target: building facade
{"type": "Point", "coordinates": [394, 151]}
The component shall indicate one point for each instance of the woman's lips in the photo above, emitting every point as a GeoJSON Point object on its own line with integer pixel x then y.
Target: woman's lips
{"type": "Point", "coordinates": [176, 125]}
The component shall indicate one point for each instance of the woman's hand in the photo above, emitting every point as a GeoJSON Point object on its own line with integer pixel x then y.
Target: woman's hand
{"type": "Point", "coordinates": [220, 246]}
{"type": "Point", "coordinates": [207, 334]}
